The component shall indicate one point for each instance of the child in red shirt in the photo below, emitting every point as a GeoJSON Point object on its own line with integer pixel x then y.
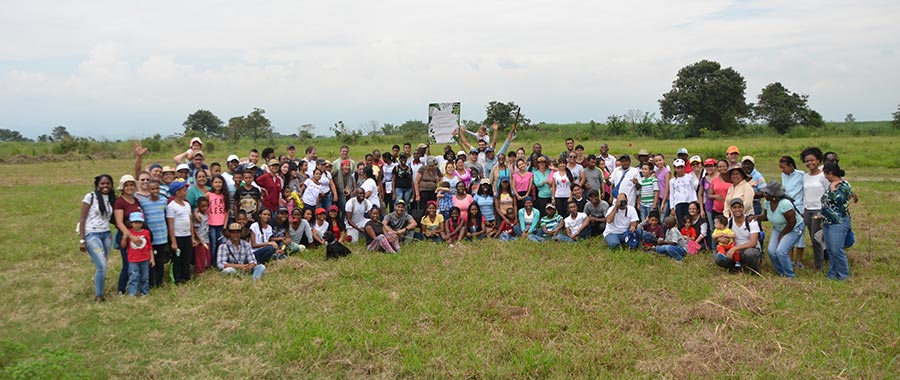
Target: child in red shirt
{"type": "Point", "coordinates": [687, 229]}
{"type": "Point", "coordinates": [140, 257]}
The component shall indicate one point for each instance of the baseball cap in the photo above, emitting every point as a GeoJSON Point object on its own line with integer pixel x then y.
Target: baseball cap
{"type": "Point", "coordinates": [136, 216]}
{"type": "Point", "coordinates": [732, 149]}
{"type": "Point", "coordinates": [748, 158]}
{"type": "Point", "coordinates": [232, 157]}
{"type": "Point", "coordinates": [199, 153]}
{"type": "Point", "coordinates": [320, 211]}
{"type": "Point", "coordinates": [733, 201]}
{"type": "Point", "coordinates": [460, 153]}
{"type": "Point", "coordinates": [550, 205]}
{"type": "Point", "coordinates": [177, 185]}
{"type": "Point", "coordinates": [682, 151]}
{"type": "Point", "coordinates": [181, 167]}
{"type": "Point", "coordinates": [489, 149]}
{"type": "Point", "coordinates": [166, 169]}
{"type": "Point", "coordinates": [291, 147]}
{"type": "Point", "coordinates": [678, 162]}
{"type": "Point", "coordinates": [155, 166]}
{"type": "Point", "coordinates": [335, 208]}
{"type": "Point", "coordinates": [197, 140]}
{"type": "Point", "coordinates": [709, 161]}
{"type": "Point", "coordinates": [695, 159]}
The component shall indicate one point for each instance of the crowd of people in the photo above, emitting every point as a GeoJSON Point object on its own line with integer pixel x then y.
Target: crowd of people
{"type": "Point", "coordinates": [237, 216]}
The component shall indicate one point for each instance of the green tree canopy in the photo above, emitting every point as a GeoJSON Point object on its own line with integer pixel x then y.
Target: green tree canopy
{"type": "Point", "coordinates": [10, 135]}
{"type": "Point", "coordinates": [505, 115]}
{"type": "Point", "coordinates": [706, 97]}
{"type": "Point", "coordinates": [204, 122]}
{"type": "Point", "coordinates": [60, 133]}
{"type": "Point", "coordinates": [783, 109]}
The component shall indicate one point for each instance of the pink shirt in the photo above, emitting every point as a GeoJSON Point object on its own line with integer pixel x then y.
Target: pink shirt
{"type": "Point", "coordinates": [217, 210]}
{"type": "Point", "coordinates": [463, 205]}
{"type": "Point", "coordinates": [719, 187]}
{"type": "Point", "coordinates": [521, 182]}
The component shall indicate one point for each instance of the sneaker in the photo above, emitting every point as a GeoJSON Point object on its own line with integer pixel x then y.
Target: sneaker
{"type": "Point", "coordinates": [99, 299]}
{"type": "Point", "coordinates": [737, 264]}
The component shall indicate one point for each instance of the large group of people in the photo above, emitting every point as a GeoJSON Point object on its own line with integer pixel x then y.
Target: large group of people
{"type": "Point", "coordinates": [235, 217]}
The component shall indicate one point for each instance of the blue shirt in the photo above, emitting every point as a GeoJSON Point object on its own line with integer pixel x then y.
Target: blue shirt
{"type": "Point", "coordinates": [155, 218]}
{"type": "Point", "coordinates": [757, 178]}
{"type": "Point", "coordinates": [486, 205]}
{"type": "Point", "coordinates": [793, 187]}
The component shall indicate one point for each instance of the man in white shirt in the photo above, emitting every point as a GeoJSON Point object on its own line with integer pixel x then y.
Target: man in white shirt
{"type": "Point", "coordinates": [606, 158]}
{"type": "Point", "coordinates": [577, 225]}
{"type": "Point", "coordinates": [355, 212]}
{"type": "Point", "coordinates": [627, 179]}
{"type": "Point", "coordinates": [620, 220]}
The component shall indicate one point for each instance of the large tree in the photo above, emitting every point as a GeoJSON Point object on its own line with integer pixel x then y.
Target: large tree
{"type": "Point", "coordinates": [205, 122]}
{"type": "Point", "coordinates": [10, 135]}
{"type": "Point", "coordinates": [253, 125]}
{"type": "Point", "coordinates": [783, 109]}
{"type": "Point", "coordinates": [60, 133]}
{"type": "Point", "coordinates": [706, 97]}
{"type": "Point", "coordinates": [505, 114]}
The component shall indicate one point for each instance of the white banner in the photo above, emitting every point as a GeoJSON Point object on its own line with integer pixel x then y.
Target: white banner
{"type": "Point", "coordinates": [443, 119]}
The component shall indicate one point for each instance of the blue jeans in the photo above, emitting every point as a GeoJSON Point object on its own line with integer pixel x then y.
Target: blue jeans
{"type": "Point", "coordinates": [681, 210]}
{"type": "Point", "coordinates": [264, 254]}
{"type": "Point", "coordinates": [616, 240]}
{"type": "Point", "coordinates": [779, 250]}
{"type": "Point", "coordinates": [645, 211]}
{"type": "Point", "coordinates": [215, 233]}
{"type": "Point", "coordinates": [507, 236]}
{"type": "Point", "coordinates": [123, 274]}
{"type": "Point", "coordinates": [673, 251]}
{"type": "Point", "coordinates": [139, 274]}
{"type": "Point", "coordinates": [835, 235]}
{"type": "Point", "coordinates": [98, 246]}
{"type": "Point", "coordinates": [584, 234]}
{"type": "Point", "coordinates": [404, 194]}
{"type": "Point", "coordinates": [325, 202]}
{"type": "Point", "coordinates": [256, 272]}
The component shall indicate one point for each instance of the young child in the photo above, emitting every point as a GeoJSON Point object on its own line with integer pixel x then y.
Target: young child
{"type": "Point", "coordinates": [649, 190]}
{"type": "Point", "coordinates": [140, 257]}
{"type": "Point", "coordinates": [674, 245]}
{"type": "Point", "coordinates": [506, 228]}
{"type": "Point", "coordinates": [445, 199]}
{"type": "Point", "coordinates": [653, 230]}
{"type": "Point", "coordinates": [724, 238]}
{"type": "Point", "coordinates": [687, 229]}
{"type": "Point", "coordinates": [202, 256]}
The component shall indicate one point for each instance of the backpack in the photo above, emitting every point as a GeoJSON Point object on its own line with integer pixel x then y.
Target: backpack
{"type": "Point", "coordinates": [615, 190]}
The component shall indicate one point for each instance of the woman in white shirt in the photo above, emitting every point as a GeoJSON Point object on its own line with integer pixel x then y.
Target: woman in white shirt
{"type": "Point", "coordinates": [682, 191]}
{"type": "Point", "coordinates": [312, 190]}
{"type": "Point", "coordinates": [260, 232]}
{"type": "Point", "coordinates": [561, 184]}
{"type": "Point", "coordinates": [814, 186]}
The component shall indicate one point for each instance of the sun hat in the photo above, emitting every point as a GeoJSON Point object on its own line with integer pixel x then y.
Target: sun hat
{"type": "Point", "coordinates": [166, 169]}
{"type": "Point", "coordinates": [727, 178]}
{"type": "Point", "coordinates": [748, 158]}
{"type": "Point", "coordinates": [643, 152]}
{"type": "Point", "coordinates": [460, 153]}
{"type": "Point", "coordinates": [422, 146]}
{"type": "Point", "coordinates": [774, 189]}
{"type": "Point", "coordinates": [136, 216]}
{"type": "Point", "coordinates": [198, 153]}
{"type": "Point", "coordinates": [123, 180]}
{"type": "Point", "coordinates": [485, 181]}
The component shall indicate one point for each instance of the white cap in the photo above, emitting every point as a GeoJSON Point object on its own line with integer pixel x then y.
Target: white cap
{"type": "Point", "coordinates": [678, 162]}
{"type": "Point", "coordinates": [232, 157]}
{"type": "Point", "coordinates": [196, 139]}
{"type": "Point", "coordinates": [682, 151]}
{"type": "Point", "coordinates": [182, 166]}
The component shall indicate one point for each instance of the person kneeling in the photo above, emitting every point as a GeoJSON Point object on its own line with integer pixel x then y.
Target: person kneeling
{"type": "Point", "coordinates": [235, 255]}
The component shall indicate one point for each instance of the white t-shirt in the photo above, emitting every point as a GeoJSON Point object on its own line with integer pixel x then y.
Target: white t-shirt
{"type": "Point", "coordinates": [95, 222]}
{"type": "Point", "coordinates": [262, 235]}
{"type": "Point", "coordinates": [320, 230]}
{"type": "Point", "coordinates": [682, 189]}
{"type": "Point", "coordinates": [325, 183]}
{"type": "Point", "coordinates": [622, 221]}
{"type": "Point", "coordinates": [576, 172]}
{"type": "Point", "coordinates": [229, 181]}
{"type": "Point", "coordinates": [370, 185]}
{"type": "Point", "coordinates": [742, 232]}
{"type": "Point", "coordinates": [563, 185]}
{"type": "Point", "coordinates": [814, 187]}
{"type": "Point", "coordinates": [359, 210]}
{"type": "Point", "coordinates": [610, 163]}
{"type": "Point", "coordinates": [181, 218]}
{"type": "Point", "coordinates": [627, 186]}
{"type": "Point", "coordinates": [311, 194]}
{"type": "Point", "coordinates": [572, 225]}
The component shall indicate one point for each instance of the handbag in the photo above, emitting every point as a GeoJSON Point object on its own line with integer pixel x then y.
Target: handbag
{"type": "Point", "coordinates": [615, 190]}
{"type": "Point", "coordinates": [693, 247]}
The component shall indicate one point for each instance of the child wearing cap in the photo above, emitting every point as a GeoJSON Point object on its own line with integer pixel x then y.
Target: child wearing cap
{"type": "Point", "coordinates": [140, 258]}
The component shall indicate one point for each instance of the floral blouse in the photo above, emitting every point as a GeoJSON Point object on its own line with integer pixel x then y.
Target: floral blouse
{"type": "Point", "coordinates": [836, 203]}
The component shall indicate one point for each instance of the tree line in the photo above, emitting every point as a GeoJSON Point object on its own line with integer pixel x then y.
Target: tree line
{"type": "Point", "coordinates": [705, 98]}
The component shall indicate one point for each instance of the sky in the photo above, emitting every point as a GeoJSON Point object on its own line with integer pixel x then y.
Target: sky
{"type": "Point", "coordinates": [131, 69]}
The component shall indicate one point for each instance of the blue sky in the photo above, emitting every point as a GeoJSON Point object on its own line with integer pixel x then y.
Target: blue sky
{"type": "Point", "coordinates": [118, 69]}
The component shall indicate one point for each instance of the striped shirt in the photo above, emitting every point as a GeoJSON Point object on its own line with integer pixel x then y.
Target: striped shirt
{"type": "Point", "coordinates": [648, 186]}
{"type": "Point", "coordinates": [155, 217]}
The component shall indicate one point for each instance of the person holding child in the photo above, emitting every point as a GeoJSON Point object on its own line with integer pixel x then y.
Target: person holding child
{"type": "Point", "coordinates": [724, 238]}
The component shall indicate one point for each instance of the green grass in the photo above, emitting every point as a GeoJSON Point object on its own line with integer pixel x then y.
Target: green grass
{"type": "Point", "coordinates": [486, 310]}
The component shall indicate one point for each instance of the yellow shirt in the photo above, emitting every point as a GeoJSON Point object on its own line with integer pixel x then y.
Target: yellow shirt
{"type": "Point", "coordinates": [432, 227]}
{"type": "Point", "coordinates": [742, 190]}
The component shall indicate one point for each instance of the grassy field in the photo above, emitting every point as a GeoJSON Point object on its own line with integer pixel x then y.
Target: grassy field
{"type": "Point", "coordinates": [485, 310]}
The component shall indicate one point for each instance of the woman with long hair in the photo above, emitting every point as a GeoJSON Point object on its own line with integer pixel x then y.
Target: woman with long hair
{"type": "Point", "coordinates": [522, 181]}
{"type": "Point", "coordinates": [96, 239]}
{"type": "Point", "coordinates": [836, 214]}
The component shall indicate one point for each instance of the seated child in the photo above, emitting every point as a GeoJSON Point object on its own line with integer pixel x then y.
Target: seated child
{"type": "Point", "coordinates": [653, 231]}
{"type": "Point", "coordinates": [724, 238]}
{"type": "Point", "coordinates": [674, 245]}
{"type": "Point", "coordinates": [505, 231]}
{"type": "Point", "coordinates": [687, 228]}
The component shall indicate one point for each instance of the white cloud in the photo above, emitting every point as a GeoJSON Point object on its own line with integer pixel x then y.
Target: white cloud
{"type": "Point", "coordinates": [154, 62]}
